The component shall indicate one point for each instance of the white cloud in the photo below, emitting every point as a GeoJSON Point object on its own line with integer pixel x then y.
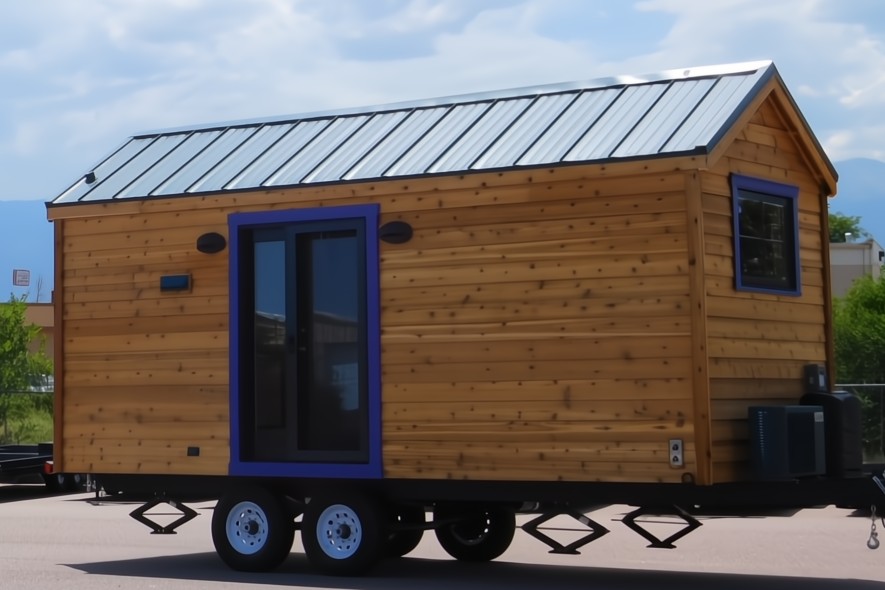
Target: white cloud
{"type": "Point", "coordinates": [422, 15]}
{"type": "Point", "coordinates": [802, 36]}
{"type": "Point", "coordinates": [77, 78]}
{"type": "Point", "coordinates": [839, 141]}
{"type": "Point", "coordinates": [832, 59]}
{"type": "Point", "coordinates": [807, 90]}
{"type": "Point", "coordinates": [860, 142]}
{"type": "Point", "coordinates": [29, 137]}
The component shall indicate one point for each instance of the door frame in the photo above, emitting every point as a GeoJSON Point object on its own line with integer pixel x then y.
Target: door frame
{"type": "Point", "coordinates": [238, 225]}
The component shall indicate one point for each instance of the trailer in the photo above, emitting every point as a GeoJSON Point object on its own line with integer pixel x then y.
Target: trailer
{"type": "Point", "coordinates": [23, 463]}
{"type": "Point", "coordinates": [533, 301]}
{"type": "Point", "coordinates": [33, 463]}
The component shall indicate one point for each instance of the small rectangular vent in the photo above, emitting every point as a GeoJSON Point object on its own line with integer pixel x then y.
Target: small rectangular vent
{"type": "Point", "coordinates": [175, 283]}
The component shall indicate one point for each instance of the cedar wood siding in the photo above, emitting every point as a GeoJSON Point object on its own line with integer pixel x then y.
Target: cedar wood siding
{"type": "Point", "coordinates": [532, 329]}
{"type": "Point", "coordinates": [758, 343]}
{"type": "Point", "coordinates": [560, 323]}
{"type": "Point", "coordinates": [542, 338]}
{"type": "Point", "coordinates": [145, 374]}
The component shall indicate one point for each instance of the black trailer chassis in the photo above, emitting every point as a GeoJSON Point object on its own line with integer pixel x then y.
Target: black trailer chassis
{"type": "Point", "coordinates": [349, 525]}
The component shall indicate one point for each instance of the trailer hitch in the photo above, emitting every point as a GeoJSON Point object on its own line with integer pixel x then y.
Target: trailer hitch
{"type": "Point", "coordinates": [873, 541]}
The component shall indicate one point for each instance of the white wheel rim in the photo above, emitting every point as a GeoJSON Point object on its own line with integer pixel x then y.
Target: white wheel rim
{"type": "Point", "coordinates": [339, 531]}
{"type": "Point", "coordinates": [247, 528]}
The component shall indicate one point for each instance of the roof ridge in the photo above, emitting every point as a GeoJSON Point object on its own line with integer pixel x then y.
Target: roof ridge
{"type": "Point", "coordinates": [483, 96]}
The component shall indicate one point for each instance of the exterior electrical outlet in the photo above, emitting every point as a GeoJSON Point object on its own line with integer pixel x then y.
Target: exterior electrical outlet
{"type": "Point", "coordinates": [676, 453]}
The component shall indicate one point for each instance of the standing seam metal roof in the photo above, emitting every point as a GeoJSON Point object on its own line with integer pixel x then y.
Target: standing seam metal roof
{"type": "Point", "coordinates": [677, 112]}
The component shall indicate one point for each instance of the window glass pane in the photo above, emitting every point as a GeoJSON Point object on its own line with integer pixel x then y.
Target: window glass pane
{"type": "Point", "coordinates": [766, 241]}
{"type": "Point", "coordinates": [333, 397]}
{"type": "Point", "coordinates": [270, 333]}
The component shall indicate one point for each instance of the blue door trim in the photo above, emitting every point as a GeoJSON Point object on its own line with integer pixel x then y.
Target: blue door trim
{"type": "Point", "coordinates": [373, 468]}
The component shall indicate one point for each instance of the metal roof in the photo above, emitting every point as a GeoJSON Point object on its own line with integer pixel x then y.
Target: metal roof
{"type": "Point", "coordinates": [677, 112]}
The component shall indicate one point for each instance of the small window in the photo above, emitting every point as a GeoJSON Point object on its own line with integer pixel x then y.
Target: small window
{"type": "Point", "coordinates": [766, 239]}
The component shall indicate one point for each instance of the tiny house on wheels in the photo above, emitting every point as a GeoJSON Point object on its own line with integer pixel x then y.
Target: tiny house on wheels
{"type": "Point", "coordinates": [374, 322]}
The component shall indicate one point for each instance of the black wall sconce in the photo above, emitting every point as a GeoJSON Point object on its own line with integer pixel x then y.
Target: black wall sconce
{"type": "Point", "coordinates": [395, 232]}
{"type": "Point", "coordinates": [211, 243]}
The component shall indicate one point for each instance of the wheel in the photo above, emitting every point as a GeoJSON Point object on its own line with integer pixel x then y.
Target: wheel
{"type": "Point", "coordinates": [343, 533]}
{"type": "Point", "coordinates": [477, 534]}
{"type": "Point", "coordinates": [63, 482]}
{"type": "Point", "coordinates": [55, 482]}
{"type": "Point", "coordinates": [251, 530]}
{"type": "Point", "coordinates": [403, 542]}
{"type": "Point", "coordinates": [73, 482]}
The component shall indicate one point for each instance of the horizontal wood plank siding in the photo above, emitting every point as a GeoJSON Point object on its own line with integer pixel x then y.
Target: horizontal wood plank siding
{"type": "Point", "coordinates": [511, 332]}
{"type": "Point", "coordinates": [146, 374]}
{"type": "Point", "coordinates": [759, 343]}
{"type": "Point", "coordinates": [535, 327]}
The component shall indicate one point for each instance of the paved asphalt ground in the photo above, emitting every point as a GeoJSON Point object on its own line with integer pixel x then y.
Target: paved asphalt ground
{"type": "Point", "coordinates": [67, 542]}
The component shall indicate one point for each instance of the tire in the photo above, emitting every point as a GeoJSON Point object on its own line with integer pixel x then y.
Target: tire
{"type": "Point", "coordinates": [73, 482]}
{"type": "Point", "coordinates": [55, 482]}
{"type": "Point", "coordinates": [251, 530]}
{"type": "Point", "coordinates": [480, 533]}
{"type": "Point", "coordinates": [63, 482]}
{"type": "Point", "coordinates": [343, 534]}
{"type": "Point", "coordinates": [403, 542]}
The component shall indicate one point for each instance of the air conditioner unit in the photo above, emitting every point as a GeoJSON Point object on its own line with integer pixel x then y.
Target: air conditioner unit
{"type": "Point", "coordinates": [787, 441]}
{"type": "Point", "coordinates": [843, 431]}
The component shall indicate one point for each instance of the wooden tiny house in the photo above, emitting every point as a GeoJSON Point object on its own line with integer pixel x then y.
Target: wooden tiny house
{"type": "Point", "coordinates": [545, 284]}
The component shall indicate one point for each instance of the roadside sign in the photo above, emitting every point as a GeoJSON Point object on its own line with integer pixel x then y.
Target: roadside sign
{"type": "Point", "coordinates": [21, 277]}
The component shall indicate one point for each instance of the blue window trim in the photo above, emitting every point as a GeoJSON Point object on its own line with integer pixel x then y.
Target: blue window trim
{"type": "Point", "coordinates": [776, 189]}
{"type": "Point", "coordinates": [373, 469]}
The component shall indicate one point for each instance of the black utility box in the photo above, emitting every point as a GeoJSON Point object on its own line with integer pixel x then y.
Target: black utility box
{"type": "Point", "coordinates": [842, 424]}
{"type": "Point", "coordinates": [786, 441]}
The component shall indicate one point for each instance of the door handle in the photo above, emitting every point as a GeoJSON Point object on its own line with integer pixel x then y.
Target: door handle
{"type": "Point", "coordinates": [291, 344]}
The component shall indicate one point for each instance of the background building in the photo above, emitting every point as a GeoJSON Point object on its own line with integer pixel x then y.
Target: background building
{"type": "Point", "coordinates": [852, 260]}
{"type": "Point", "coordinates": [43, 315]}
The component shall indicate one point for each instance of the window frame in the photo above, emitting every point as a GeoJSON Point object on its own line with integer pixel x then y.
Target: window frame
{"type": "Point", "coordinates": [241, 227]}
{"type": "Point", "coordinates": [771, 191]}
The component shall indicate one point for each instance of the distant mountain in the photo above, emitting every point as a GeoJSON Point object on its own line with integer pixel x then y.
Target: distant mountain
{"type": "Point", "coordinates": [861, 192]}
{"type": "Point", "coordinates": [26, 238]}
{"type": "Point", "coordinates": [26, 243]}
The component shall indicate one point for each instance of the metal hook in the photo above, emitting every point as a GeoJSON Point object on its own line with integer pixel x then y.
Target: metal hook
{"type": "Point", "coordinates": [873, 541]}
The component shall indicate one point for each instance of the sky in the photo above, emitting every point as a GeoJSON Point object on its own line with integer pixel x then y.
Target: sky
{"type": "Point", "coordinates": [77, 77]}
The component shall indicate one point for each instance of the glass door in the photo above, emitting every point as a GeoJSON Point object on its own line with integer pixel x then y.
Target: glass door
{"type": "Point", "coordinates": [329, 381]}
{"type": "Point", "coordinates": [301, 341]}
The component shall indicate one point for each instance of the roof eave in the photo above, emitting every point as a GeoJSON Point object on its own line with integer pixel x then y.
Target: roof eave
{"type": "Point", "coordinates": [696, 158]}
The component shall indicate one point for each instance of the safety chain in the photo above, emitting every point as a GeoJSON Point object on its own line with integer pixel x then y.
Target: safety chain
{"type": "Point", "coordinates": [873, 541]}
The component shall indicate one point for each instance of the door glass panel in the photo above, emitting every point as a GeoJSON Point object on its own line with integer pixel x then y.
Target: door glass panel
{"type": "Point", "coordinates": [330, 404]}
{"type": "Point", "coordinates": [307, 397]}
{"type": "Point", "coordinates": [270, 334]}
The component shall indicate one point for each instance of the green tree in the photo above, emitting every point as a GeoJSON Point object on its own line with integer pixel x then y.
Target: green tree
{"type": "Point", "coordinates": [859, 332]}
{"type": "Point", "coordinates": [845, 224]}
{"type": "Point", "coordinates": [20, 369]}
{"type": "Point", "coordinates": [859, 341]}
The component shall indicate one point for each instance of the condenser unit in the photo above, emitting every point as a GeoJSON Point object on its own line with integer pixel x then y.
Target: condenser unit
{"type": "Point", "coordinates": [787, 441]}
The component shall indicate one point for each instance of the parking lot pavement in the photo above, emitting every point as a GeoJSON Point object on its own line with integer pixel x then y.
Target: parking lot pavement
{"type": "Point", "coordinates": [66, 541]}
